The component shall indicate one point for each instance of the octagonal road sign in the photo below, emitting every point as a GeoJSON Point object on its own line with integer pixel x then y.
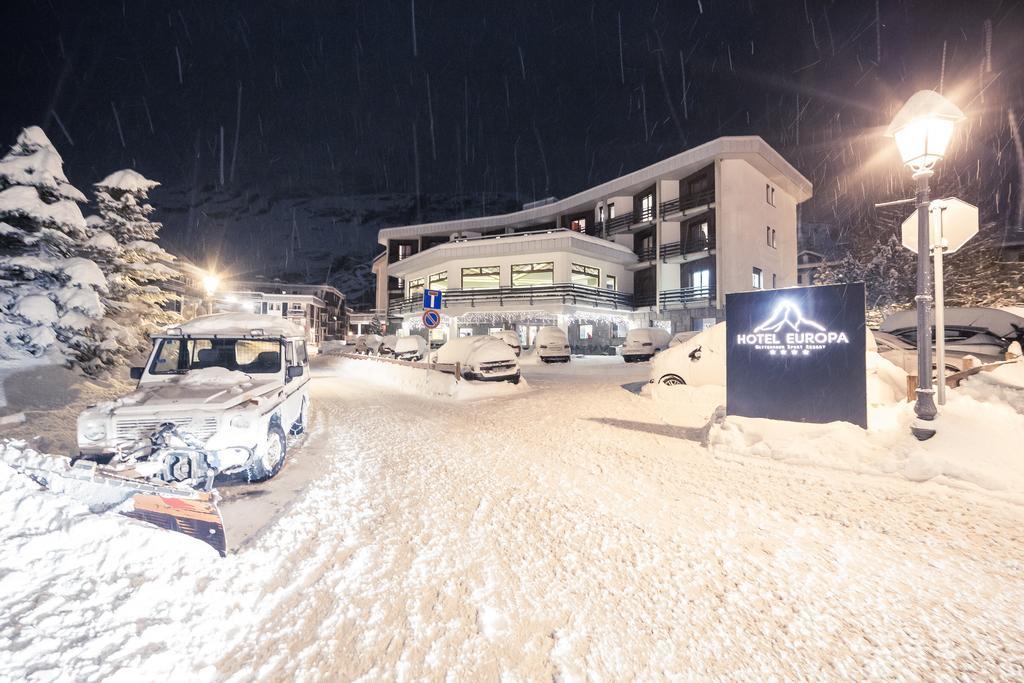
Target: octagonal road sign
{"type": "Point", "coordinates": [952, 222]}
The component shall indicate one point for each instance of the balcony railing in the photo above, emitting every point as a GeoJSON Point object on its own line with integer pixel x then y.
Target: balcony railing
{"type": "Point", "coordinates": [693, 244]}
{"type": "Point", "coordinates": [566, 293]}
{"type": "Point", "coordinates": [644, 215]}
{"type": "Point", "coordinates": [693, 201]}
{"type": "Point", "coordinates": [686, 295]}
{"type": "Point", "coordinates": [614, 226]}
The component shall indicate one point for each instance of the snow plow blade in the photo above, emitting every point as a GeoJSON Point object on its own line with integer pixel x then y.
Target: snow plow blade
{"type": "Point", "coordinates": [175, 507]}
{"type": "Point", "coordinates": [195, 517]}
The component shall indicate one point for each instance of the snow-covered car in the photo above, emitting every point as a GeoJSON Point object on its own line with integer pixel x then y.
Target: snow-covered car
{"type": "Point", "coordinates": [699, 360]}
{"type": "Point", "coordinates": [985, 333]}
{"type": "Point", "coordinates": [511, 338]}
{"type": "Point", "coordinates": [232, 385]}
{"type": "Point", "coordinates": [681, 337]}
{"type": "Point", "coordinates": [643, 342]}
{"type": "Point", "coordinates": [368, 344]}
{"type": "Point", "coordinates": [387, 345]}
{"type": "Point", "coordinates": [412, 347]}
{"type": "Point", "coordinates": [903, 354]}
{"type": "Point", "coordinates": [552, 345]}
{"type": "Point", "coordinates": [481, 358]}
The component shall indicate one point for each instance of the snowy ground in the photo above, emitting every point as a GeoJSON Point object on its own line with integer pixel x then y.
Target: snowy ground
{"type": "Point", "coordinates": [577, 528]}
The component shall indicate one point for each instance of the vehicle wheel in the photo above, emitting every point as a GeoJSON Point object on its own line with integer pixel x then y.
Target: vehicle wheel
{"type": "Point", "coordinates": [515, 380]}
{"type": "Point", "coordinates": [671, 380]}
{"type": "Point", "coordinates": [628, 359]}
{"type": "Point", "coordinates": [300, 424]}
{"type": "Point", "coordinates": [272, 460]}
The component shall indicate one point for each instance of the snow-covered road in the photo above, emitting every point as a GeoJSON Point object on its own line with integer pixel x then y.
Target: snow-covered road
{"type": "Point", "coordinates": [567, 532]}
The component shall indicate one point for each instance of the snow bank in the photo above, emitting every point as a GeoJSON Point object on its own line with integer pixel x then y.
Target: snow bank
{"type": "Point", "coordinates": [205, 377]}
{"type": "Point", "coordinates": [976, 444]}
{"type": "Point", "coordinates": [418, 381]}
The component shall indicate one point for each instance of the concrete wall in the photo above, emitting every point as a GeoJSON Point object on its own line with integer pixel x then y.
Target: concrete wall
{"type": "Point", "coordinates": [743, 214]}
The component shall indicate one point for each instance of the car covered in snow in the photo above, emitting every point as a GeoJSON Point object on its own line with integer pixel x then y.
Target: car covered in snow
{"type": "Point", "coordinates": [903, 354]}
{"type": "Point", "coordinates": [368, 344]}
{"type": "Point", "coordinates": [230, 385]}
{"type": "Point", "coordinates": [643, 342]}
{"type": "Point", "coordinates": [552, 345]}
{"type": "Point", "coordinates": [387, 345]}
{"type": "Point", "coordinates": [699, 360]}
{"type": "Point", "coordinates": [681, 337]}
{"type": "Point", "coordinates": [480, 358]}
{"type": "Point", "coordinates": [511, 338]}
{"type": "Point", "coordinates": [985, 333]}
{"type": "Point", "coordinates": [411, 347]}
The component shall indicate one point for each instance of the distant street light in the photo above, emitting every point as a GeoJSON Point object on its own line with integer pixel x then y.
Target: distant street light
{"type": "Point", "coordinates": [923, 129]}
{"type": "Point", "coordinates": [210, 283]}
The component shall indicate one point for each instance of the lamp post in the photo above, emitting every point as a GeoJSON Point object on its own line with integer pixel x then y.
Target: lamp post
{"type": "Point", "coordinates": [210, 283]}
{"type": "Point", "coordinates": [923, 129]}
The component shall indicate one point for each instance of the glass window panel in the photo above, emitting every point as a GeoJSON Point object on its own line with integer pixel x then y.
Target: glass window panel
{"type": "Point", "coordinates": [481, 277]}
{"type": "Point", "coordinates": [416, 287]}
{"type": "Point", "coordinates": [439, 281]}
{"type": "Point", "coordinates": [586, 275]}
{"type": "Point", "coordinates": [533, 274]}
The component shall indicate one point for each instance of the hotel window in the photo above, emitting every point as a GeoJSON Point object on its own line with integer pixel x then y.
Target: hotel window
{"type": "Point", "coordinates": [611, 211]}
{"type": "Point", "coordinates": [701, 279]}
{"type": "Point", "coordinates": [773, 238]}
{"type": "Point", "coordinates": [404, 251]}
{"type": "Point", "coordinates": [600, 214]}
{"type": "Point", "coordinates": [646, 208]}
{"type": "Point", "coordinates": [416, 287]}
{"type": "Point", "coordinates": [757, 279]}
{"type": "Point", "coordinates": [578, 225]}
{"type": "Point", "coordinates": [586, 275]}
{"type": "Point", "coordinates": [586, 331]}
{"type": "Point", "coordinates": [533, 274]}
{"type": "Point", "coordinates": [481, 277]}
{"type": "Point", "coordinates": [769, 194]}
{"type": "Point", "coordinates": [611, 282]}
{"type": "Point", "coordinates": [439, 281]}
{"type": "Point", "coordinates": [774, 282]}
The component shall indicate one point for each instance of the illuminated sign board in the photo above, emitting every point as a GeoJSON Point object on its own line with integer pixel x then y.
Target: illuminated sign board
{"type": "Point", "coordinates": [797, 354]}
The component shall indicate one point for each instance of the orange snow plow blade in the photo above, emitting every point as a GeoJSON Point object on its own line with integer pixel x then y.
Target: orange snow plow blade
{"type": "Point", "coordinates": [197, 517]}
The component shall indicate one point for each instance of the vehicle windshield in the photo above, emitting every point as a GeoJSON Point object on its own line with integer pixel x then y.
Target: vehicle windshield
{"type": "Point", "coordinates": [251, 356]}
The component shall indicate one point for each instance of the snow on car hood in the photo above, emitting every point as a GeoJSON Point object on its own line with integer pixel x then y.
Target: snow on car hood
{"type": "Point", "coordinates": [207, 389]}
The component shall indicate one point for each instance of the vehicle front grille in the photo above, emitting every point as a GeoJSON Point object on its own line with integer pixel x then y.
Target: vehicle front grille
{"type": "Point", "coordinates": [497, 366]}
{"type": "Point", "coordinates": [127, 429]}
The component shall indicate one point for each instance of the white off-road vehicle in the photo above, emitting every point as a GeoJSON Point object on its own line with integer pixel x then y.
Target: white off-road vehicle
{"type": "Point", "coordinates": [219, 394]}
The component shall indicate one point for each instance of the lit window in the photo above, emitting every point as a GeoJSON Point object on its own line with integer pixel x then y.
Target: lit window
{"type": "Point", "coordinates": [578, 225]}
{"type": "Point", "coordinates": [481, 277]}
{"type": "Point", "coordinates": [610, 282]}
{"type": "Point", "coordinates": [416, 287]}
{"type": "Point", "coordinates": [586, 332]}
{"type": "Point", "coordinates": [586, 275]}
{"type": "Point", "coordinates": [758, 279]}
{"type": "Point", "coordinates": [700, 279]}
{"type": "Point", "coordinates": [438, 281]}
{"type": "Point", "coordinates": [533, 274]}
{"type": "Point", "coordinates": [611, 211]}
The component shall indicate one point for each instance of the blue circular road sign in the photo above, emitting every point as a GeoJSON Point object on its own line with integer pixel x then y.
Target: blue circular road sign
{"type": "Point", "coordinates": [431, 319]}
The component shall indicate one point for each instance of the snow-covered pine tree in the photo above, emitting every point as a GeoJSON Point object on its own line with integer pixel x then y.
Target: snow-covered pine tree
{"type": "Point", "coordinates": [49, 294]}
{"type": "Point", "coordinates": [887, 270]}
{"type": "Point", "coordinates": [375, 326]}
{"type": "Point", "coordinates": [123, 240]}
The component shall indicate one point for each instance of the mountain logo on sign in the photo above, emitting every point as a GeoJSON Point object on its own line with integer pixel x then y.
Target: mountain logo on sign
{"type": "Point", "coordinates": [787, 313]}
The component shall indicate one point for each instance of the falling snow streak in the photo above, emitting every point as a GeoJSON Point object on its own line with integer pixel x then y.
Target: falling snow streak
{"type": "Point", "coordinates": [117, 120]}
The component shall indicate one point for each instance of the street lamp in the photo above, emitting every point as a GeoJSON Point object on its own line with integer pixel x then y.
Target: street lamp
{"type": "Point", "coordinates": [923, 129]}
{"type": "Point", "coordinates": [210, 283]}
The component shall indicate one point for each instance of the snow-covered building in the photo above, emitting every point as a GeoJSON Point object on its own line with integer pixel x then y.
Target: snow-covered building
{"type": "Point", "coordinates": [660, 246]}
{"type": "Point", "coordinates": [318, 308]}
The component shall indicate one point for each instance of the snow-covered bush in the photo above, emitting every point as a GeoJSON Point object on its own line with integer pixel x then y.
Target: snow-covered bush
{"type": "Point", "coordinates": [49, 293]}
{"type": "Point", "coordinates": [123, 243]}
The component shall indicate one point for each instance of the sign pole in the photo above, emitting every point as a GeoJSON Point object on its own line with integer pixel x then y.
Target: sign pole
{"type": "Point", "coordinates": [940, 313]}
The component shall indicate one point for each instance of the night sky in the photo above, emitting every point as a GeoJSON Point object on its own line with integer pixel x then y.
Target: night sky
{"type": "Point", "coordinates": [526, 98]}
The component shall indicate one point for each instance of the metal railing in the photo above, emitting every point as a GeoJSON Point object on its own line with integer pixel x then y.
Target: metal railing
{"type": "Point", "coordinates": [566, 293]}
{"type": "Point", "coordinates": [686, 295]}
{"type": "Point", "coordinates": [693, 244]}
{"type": "Point", "coordinates": [644, 215]}
{"type": "Point", "coordinates": [687, 202]}
{"type": "Point", "coordinates": [614, 226]}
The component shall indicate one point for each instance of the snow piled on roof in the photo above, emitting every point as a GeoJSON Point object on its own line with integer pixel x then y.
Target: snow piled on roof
{"type": "Point", "coordinates": [239, 324]}
{"type": "Point", "coordinates": [127, 180]}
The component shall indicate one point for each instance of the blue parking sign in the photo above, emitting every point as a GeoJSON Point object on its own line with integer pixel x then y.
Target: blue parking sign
{"type": "Point", "coordinates": [432, 299]}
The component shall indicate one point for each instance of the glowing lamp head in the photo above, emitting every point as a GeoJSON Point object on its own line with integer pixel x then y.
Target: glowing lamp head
{"type": "Point", "coordinates": [210, 283]}
{"type": "Point", "coordinates": [923, 129]}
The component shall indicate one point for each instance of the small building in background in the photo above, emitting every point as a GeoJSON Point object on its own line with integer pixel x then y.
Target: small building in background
{"type": "Point", "coordinates": [319, 309]}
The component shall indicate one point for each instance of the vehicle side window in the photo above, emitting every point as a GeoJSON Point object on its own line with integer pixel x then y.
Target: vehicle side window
{"type": "Point", "coordinates": [300, 353]}
{"type": "Point", "coordinates": [289, 353]}
{"type": "Point", "coordinates": [167, 357]}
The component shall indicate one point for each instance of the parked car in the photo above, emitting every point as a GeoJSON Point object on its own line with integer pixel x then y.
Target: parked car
{"type": "Point", "coordinates": [368, 344]}
{"type": "Point", "coordinates": [481, 358]}
{"type": "Point", "coordinates": [552, 345]}
{"type": "Point", "coordinates": [412, 347]}
{"type": "Point", "coordinates": [643, 342]}
{"type": "Point", "coordinates": [981, 332]}
{"type": "Point", "coordinates": [387, 345]}
{"type": "Point", "coordinates": [232, 385]}
{"type": "Point", "coordinates": [699, 360]}
{"type": "Point", "coordinates": [511, 338]}
{"type": "Point", "coordinates": [680, 337]}
{"type": "Point", "coordinates": [904, 354]}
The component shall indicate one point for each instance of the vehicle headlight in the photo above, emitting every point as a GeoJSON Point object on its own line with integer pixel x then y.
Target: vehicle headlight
{"type": "Point", "coordinates": [94, 431]}
{"type": "Point", "coordinates": [242, 421]}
